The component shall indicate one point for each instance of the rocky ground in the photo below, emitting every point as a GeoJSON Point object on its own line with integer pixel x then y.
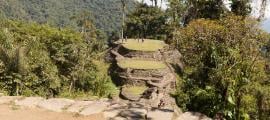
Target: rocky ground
{"type": "Point", "coordinates": [36, 108]}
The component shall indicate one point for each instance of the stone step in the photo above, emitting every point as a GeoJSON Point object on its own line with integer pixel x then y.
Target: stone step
{"type": "Point", "coordinates": [78, 106]}
{"type": "Point", "coordinates": [94, 108]}
{"type": "Point", "coordinates": [56, 104]}
{"type": "Point", "coordinates": [30, 102]}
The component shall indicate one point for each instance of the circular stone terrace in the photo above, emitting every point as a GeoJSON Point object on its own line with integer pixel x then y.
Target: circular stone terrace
{"type": "Point", "coordinates": [140, 64]}
{"type": "Point", "coordinates": [149, 45]}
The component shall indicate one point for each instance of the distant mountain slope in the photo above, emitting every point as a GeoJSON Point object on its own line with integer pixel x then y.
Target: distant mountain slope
{"type": "Point", "coordinates": [107, 13]}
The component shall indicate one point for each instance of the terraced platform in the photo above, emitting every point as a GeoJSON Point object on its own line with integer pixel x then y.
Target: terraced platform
{"type": "Point", "coordinates": [145, 73]}
{"type": "Point", "coordinates": [149, 45]}
{"type": "Point", "coordinates": [141, 64]}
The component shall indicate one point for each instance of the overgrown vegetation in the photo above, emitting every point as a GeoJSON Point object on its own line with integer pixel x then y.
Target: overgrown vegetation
{"type": "Point", "coordinates": [225, 69]}
{"type": "Point", "coordinates": [41, 60]}
{"type": "Point", "coordinates": [147, 22]}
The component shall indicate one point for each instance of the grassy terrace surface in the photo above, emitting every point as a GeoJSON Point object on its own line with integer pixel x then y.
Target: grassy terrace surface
{"type": "Point", "coordinates": [148, 45]}
{"type": "Point", "coordinates": [141, 64]}
{"type": "Point", "coordinates": [135, 90]}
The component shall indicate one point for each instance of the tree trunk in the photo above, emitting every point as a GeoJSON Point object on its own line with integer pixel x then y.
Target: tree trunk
{"type": "Point", "coordinates": [262, 10]}
{"type": "Point", "coordinates": [161, 2]}
{"type": "Point", "coordinates": [123, 17]}
{"type": "Point", "coordinates": [70, 87]}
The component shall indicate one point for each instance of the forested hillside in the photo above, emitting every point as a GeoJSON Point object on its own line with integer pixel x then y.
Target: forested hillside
{"type": "Point", "coordinates": [107, 13]}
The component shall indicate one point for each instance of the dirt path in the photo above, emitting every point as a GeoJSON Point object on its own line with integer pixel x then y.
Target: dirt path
{"type": "Point", "coordinates": [8, 112]}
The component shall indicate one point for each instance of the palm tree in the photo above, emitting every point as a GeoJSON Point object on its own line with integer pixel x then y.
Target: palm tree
{"type": "Point", "coordinates": [161, 2]}
{"type": "Point", "coordinates": [123, 17]}
{"type": "Point", "coordinates": [262, 10]}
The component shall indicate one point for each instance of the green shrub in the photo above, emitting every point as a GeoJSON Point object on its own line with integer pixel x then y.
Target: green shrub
{"type": "Point", "coordinates": [41, 60]}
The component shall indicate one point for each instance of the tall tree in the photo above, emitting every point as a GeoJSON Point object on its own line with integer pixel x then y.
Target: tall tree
{"type": "Point", "coordinates": [262, 10]}
{"type": "Point", "coordinates": [241, 7]}
{"type": "Point", "coordinates": [147, 21]}
{"type": "Point", "coordinates": [213, 9]}
{"type": "Point", "coordinates": [176, 10]}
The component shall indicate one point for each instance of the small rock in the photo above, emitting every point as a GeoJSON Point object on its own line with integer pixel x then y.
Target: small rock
{"type": "Point", "coordinates": [8, 99]}
{"type": "Point", "coordinates": [55, 104]}
{"type": "Point", "coordinates": [134, 113]}
{"type": "Point", "coordinates": [160, 114]}
{"type": "Point", "coordinates": [118, 118]}
{"type": "Point", "coordinates": [29, 101]}
{"type": "Point", "coordinates": [94, 108]}
{"type": "Point", "coordinates": [193, 116]}
{"type": "Point", "coordinates": [78, 106]}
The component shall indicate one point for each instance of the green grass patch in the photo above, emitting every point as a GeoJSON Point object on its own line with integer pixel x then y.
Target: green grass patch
{"type": "Point", "coordinates": [141, 64]}
{"type": "Point", "coordinates": [135, 90]}
{"type": "Point", "coordinates": [148, 45]}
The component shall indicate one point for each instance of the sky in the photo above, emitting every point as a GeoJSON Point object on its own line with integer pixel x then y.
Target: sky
{"type": "Point", "coordinates": [255, 12]}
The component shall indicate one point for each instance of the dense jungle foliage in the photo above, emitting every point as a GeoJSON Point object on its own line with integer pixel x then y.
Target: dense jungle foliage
{"type": "Point", "coordinates": [45, 61]}
{"type": "Point", "coordinates": [107, 13]}
{"type": "Point", "coordinates": [226, 71]}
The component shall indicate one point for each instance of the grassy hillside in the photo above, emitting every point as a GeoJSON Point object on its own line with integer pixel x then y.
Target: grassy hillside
{"type": "Point", "coordinates": [107, 13]}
